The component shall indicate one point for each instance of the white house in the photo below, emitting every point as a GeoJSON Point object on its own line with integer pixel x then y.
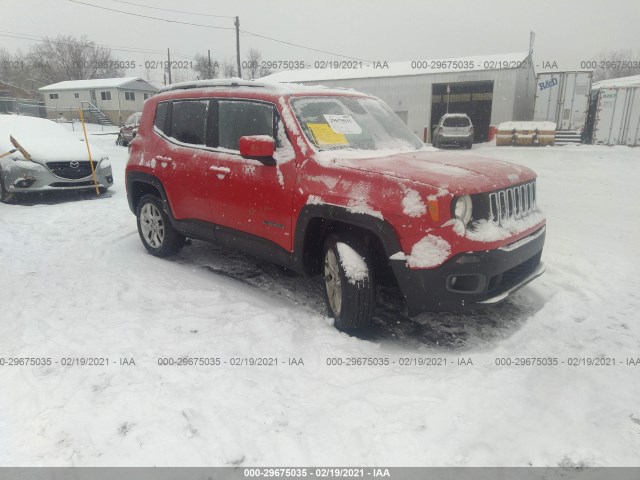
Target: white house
{"type": "Point", "coordinates": [102, 100]}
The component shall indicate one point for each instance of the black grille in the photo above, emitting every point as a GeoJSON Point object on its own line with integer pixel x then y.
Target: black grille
{"type": "Point", "coordinates": [513, 276]}
{"type": "Point", "coordinates": [88, 183]}
{"type": "Point", "coordinates": [71, 170]}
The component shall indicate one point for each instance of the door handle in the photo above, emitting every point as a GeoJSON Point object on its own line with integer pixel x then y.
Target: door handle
{"type": "Point", "coordinates": [160, 158]}
{"type": "Point", "coordinates": [217, 169]}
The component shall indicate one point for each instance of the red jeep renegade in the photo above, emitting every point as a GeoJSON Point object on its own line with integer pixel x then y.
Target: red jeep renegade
{"type": "Point", "coordinates": [332, 182]}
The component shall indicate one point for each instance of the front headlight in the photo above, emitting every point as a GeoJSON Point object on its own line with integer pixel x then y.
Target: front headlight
{"type": "Point", "coordinates": [105, 163]}
{"type": "Point", "coordinates": [463, 209]}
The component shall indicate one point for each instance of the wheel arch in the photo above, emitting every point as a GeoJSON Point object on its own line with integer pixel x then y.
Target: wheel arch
{"type": "Point", "coordinates": [316, 222]}
{"type": "Point", "coordinates": [140, 184]}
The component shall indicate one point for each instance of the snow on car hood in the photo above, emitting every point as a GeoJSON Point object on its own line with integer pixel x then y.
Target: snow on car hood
{"type": "Point", "coordinates": [456, 173]}
{"type": "Point", "coordinates": [46, 141]}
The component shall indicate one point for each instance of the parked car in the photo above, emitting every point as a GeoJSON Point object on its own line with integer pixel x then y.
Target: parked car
{"type": "Point", "coordinates": [332, 182]}
{"type": "Point", "coordinates": [58, 160]}
{"type": "Point", "coordinates": [453, 129]}
{"type": "Point", "coordinates": [129, 129]}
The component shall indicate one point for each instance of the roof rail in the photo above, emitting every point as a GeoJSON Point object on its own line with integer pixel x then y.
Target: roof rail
{"type": "Point", "coordinates": [222, 82]}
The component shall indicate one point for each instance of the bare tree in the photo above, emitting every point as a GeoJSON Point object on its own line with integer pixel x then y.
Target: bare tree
{"type": "Point", "coordinates": [69, 58]}
{"type": "Point", "coordinates": [229, 68]}
{"type": "Point", "coordinates": [616, 64]}
{"type": "Point", "coordinates": [205, 68]}
{"type": "Point", "coordinates": [255, 67]}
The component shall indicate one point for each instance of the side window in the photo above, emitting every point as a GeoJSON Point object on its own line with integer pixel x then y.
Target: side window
{"type": "Point", "coordinates": [237, 118]}
{"type": "Point", "coordinates": [161, 116]}
{"type": "Point", "coordinates": [188, 121]}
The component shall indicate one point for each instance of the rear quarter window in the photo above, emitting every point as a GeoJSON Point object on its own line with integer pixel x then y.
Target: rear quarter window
{"type": "Point", "coordinates": [161, 116]}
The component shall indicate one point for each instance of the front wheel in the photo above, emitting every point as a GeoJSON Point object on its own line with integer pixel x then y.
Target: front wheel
{"type": "Point", "coordinates": [349, 284]}
{"type": "Point", "coordinates": [5, 196]}
{"type": "Point", "coordinates": [154, 227]}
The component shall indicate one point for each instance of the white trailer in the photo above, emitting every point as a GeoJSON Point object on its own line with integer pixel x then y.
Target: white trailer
{"type": "Point", "coordinates": [563, 98]}
{"type": "Point", "coordinates": [617, 117]}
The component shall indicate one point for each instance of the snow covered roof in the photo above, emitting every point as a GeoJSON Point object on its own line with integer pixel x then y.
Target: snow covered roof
{"type": "Point", "coordinates": [239, 84]}
{"type": "Point", "coordinates": [406, 68]}
{"type": "Point", "coordinates": [94, 83]}
{"type": "Point", "coordinates": [617, 82]}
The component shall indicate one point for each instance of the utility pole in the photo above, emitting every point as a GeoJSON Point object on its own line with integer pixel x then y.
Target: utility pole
{"type": "Point", "coordinates": [237, 23]}
{"type": "Point", "coordinates": [169, 65]}
{"type": "Point", "coordinates": [209, 64]}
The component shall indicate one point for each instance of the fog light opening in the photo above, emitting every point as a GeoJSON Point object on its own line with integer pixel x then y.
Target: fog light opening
{"type": "Point", "coordinates": [465, 283]}
{"type": "Point", "coordinates": [24, 182]}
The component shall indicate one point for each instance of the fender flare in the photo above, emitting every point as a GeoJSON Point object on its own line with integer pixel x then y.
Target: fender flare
{"type": "Point", "coordinates": [378, 227]}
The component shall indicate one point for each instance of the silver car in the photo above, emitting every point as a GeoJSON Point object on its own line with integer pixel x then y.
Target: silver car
{"type": "Point", "coordinates": [56, 159]}
{"type": "Point", "coordinates": [453, 129]}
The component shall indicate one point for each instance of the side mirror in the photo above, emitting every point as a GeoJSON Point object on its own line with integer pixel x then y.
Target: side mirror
{"type": "Point", "coordinates": [257, 146]}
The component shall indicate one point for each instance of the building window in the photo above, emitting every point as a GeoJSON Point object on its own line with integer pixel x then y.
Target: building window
{"type": "Point", "coordinates": [76, 95]}
{"type": "Point", "coordinates": [53, 96]}
{"type": "Point", "coordinates": [105, 95]}
{"type": "Point", "coordinates": [129, 96]}
{"type": "Point", "coordinates": [148, 95]}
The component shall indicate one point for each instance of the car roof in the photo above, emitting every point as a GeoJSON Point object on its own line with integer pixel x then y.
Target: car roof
{"type": "Point", "coordinates": [249, 89]}
{"type": "Point", "coordinates": [455, 115]}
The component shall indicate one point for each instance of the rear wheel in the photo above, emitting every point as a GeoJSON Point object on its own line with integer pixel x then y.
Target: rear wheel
{"type": "Point", "coordinates": [469, 145]}
{"type": "Point", "coordinates": [154, 227]}
{"type": "Point", "coordinates": [349, 284]}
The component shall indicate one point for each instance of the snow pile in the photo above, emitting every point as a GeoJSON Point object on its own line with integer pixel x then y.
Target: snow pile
{"type": "Point", "coordinates": [412, 204]}
{"type": "Point", "coordinates": [429, 252]}
{"type": "Point", "coordinates": [353, 264]}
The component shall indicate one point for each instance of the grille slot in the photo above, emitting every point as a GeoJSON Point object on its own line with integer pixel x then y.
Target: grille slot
{"type": "Point", "coordinates": [65, 170]}
{"type": "Point", "coordinates": [512, 203]}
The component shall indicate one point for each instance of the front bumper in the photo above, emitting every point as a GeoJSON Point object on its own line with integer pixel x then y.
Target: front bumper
{"type": "Point", "coordinates": [23, 177]}
{"type": "Point", "coordinates": [472, 280]}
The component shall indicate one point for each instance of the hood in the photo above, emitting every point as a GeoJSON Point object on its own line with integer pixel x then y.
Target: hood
{"type": "Point", "coordinates": [458, 174]}
{"type": "Point", "coordinates": [46, 141]}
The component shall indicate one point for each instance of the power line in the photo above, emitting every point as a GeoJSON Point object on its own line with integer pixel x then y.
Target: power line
{"type": "Point", "coordinates": [302, 46]}
{"type": "Point", "coordinates": [149, 17]}
{"type": "Point", "coordinates": [221, 28]}
{"type": "Point", "coordinates": [35, 38]}
{"type": "Point", "coordinates": [174, 11]}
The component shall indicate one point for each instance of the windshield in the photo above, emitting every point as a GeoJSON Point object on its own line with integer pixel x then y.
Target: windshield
{"type": "Point", "coordinates": [332, 123]}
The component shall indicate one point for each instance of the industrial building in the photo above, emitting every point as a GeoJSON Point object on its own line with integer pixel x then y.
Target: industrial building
{"type": "Point", "coordinates": [490, 89]}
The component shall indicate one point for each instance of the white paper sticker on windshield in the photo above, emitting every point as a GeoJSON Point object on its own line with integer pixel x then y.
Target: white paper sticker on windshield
{"type": "Point", "coordinates": [344, 124]}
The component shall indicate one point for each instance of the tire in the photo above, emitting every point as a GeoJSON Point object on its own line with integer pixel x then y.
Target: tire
{"type": "Point", "coordinates": [349, 302]}
{"type": "Point", "coordinates": [119, 140]}
{"type": "Point", "coordinates": [156, 232]}
{"type": "Point", "coordinates": [469, 145]}
{"type": "Point", "coordinates": [436, 144]}
{"type": "Point", "coordinates": [5, 197]}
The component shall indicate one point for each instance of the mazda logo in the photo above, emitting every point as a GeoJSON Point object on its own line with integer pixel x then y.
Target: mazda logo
{"type": "Point", "coordinates": [74, 164]}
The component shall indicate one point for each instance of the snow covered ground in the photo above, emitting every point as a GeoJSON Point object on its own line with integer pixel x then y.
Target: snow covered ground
{"type": "Point", "coordinates": [76, 282]}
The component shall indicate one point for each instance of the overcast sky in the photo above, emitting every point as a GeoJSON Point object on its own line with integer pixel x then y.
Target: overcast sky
{"type": "Point", "coordinates": [567, 32]}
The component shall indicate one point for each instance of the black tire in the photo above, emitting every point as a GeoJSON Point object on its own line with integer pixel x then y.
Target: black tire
{"type": "Point", "coordinates": [357, 299]}
{"type": "Point", "coordinates": [119, 140]}
{"type": "Point", "coordinates": [436, 144]}
{"type": "Point", "coordinates": [164, 244]}
{"type": "Point", "coordinates": [469, 145]}
{"type": "Point", "coordinates": [5, 197]}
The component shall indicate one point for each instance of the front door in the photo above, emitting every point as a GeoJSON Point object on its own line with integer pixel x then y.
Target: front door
{"type": "Point", "coordinates": [253, 196]}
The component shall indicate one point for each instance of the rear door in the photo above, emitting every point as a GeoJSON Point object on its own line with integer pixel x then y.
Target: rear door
{"type": "Point", "coordinates": [181, 158]}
